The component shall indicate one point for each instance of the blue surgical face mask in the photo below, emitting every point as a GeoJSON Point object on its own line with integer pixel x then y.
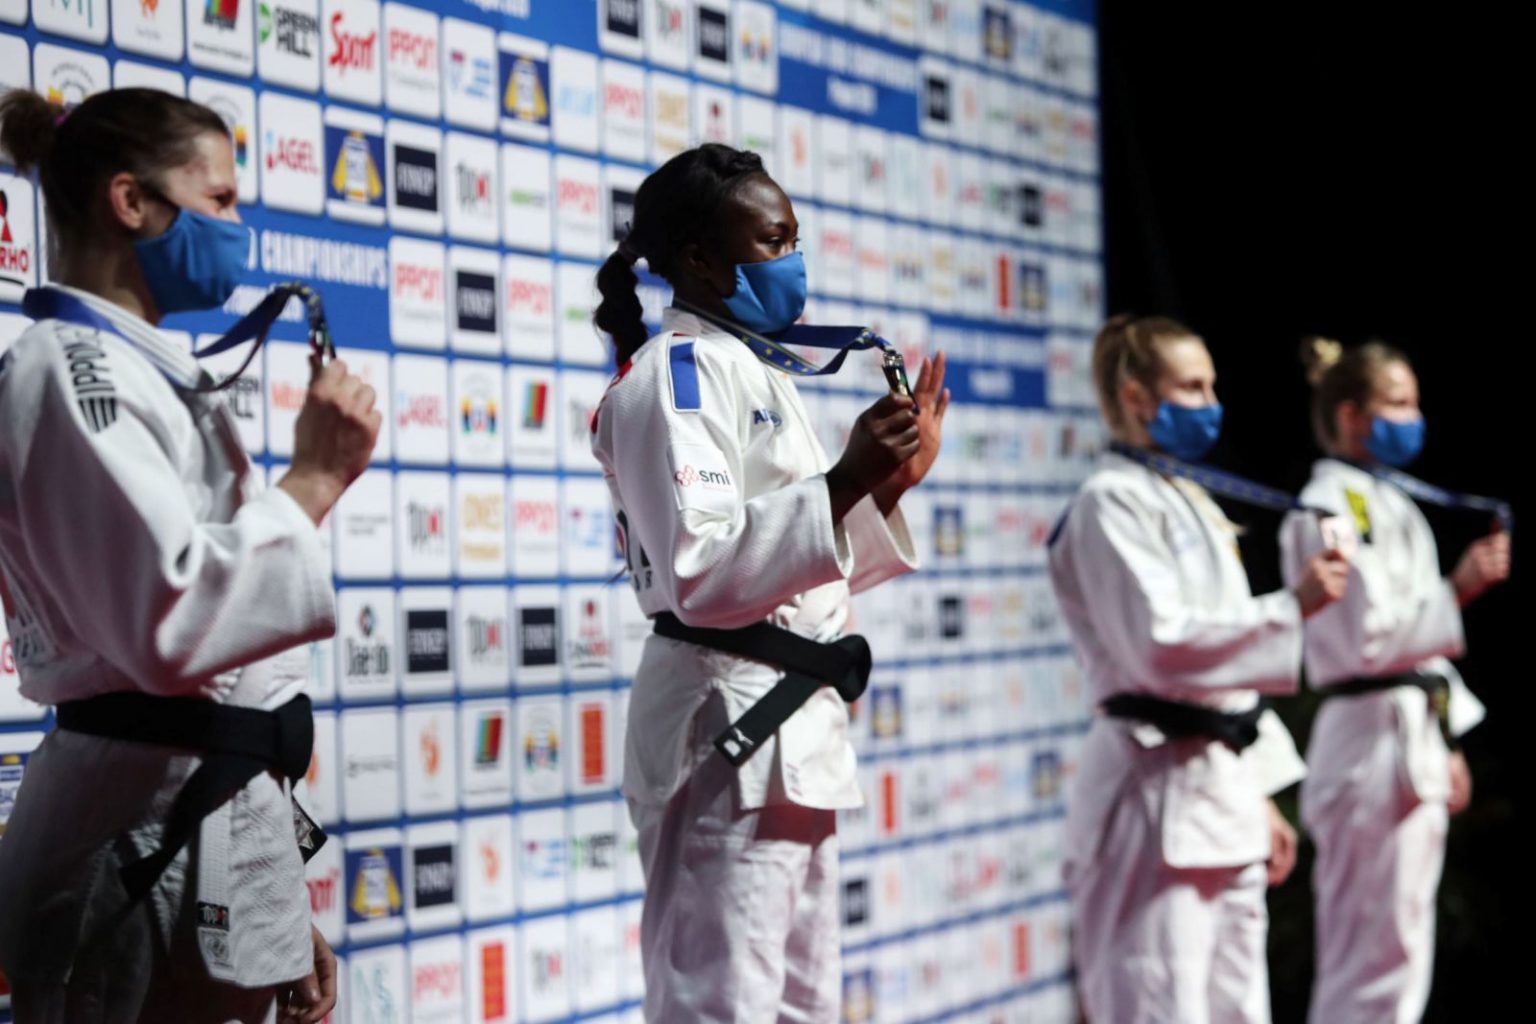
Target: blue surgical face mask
{"type": "Point", "coordinates": [770, 295]}
{"type": "Point", "coordinates": [195, 264]}
{"type": "Point", "coordinates": [1395, 443]}
{"type": "Point", "coordinates": [1186, 432]}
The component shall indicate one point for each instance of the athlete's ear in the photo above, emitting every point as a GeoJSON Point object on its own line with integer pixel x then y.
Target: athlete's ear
{"type": "Point", "coordinates": [1137, 403]}
{"type": "Point", "coordinates": [700, 264]}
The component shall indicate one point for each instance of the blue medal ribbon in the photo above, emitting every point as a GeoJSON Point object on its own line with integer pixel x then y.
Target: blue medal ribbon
{"type": "Point", "coordinates": [1430, 494]}
{"type": "Point", "coordinates": [772, 350]}
{"type": "Point", "coordinates": [53, 304]}
{"type": "Point", "coordinates": [1217, 481]}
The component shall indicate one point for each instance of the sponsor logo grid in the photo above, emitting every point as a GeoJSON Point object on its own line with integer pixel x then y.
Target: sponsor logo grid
{"type": "Point", "coordinates": [408, 128]}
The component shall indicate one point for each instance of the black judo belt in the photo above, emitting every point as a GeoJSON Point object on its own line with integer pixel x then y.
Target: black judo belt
{"type": "Point", "coordinates": [808, 666]}
{"type": "Point", "coordinates": [236, 744]}
{"type": "Point", "coordinates": [1436, 687]}
{"type": "Point", "coordinates": [1179, 720]}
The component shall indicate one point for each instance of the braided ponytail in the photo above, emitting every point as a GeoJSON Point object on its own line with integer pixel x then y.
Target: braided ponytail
{"type": "Point", "coordinates": [620, 313]}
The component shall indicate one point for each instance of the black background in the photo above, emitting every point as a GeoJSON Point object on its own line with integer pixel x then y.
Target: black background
{"type": "Point", "coordinates": [1356, 171]}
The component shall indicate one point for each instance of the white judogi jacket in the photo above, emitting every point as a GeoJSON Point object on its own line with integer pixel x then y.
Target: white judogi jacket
{"type": "Point", "coordinates": [139, 550]}
{"type": "Point", "coordinates": [718, 488]}
{"type": "Point", "coordinates": [1153, 591]}
{"type": "Point", "coordinates": [1398, 615]}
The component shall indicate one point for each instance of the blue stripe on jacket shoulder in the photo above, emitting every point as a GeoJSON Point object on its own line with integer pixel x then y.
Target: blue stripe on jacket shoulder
{"type": "Point", "coordinates": [684, 370]}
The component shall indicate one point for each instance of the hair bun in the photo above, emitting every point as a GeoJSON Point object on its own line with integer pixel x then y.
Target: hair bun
{"type": "Point", "coordinates": [1318, 356]}
{"type": "Point", "coordinates": [28, 124]}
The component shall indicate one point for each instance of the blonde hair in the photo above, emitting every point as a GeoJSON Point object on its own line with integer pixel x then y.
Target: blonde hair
{"type": "Point", "coordinates": [1130, 348]}
{"type": "Point", "coordinates": [1339, 375]}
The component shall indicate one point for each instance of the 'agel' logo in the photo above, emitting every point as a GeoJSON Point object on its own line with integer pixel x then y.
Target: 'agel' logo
{"type": "Point", "coordinates": [292, 154]}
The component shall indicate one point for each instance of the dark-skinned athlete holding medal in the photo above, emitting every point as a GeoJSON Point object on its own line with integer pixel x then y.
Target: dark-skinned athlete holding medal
{"type": "Point", "coordinates": [743, 543]}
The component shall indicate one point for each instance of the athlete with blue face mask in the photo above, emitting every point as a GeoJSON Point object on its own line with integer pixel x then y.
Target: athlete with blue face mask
{"type": "Point", "coordinates": [157, 594]}
{"type": "Point", "coordinates": [1171, 835]}
{"type": "Point", "coordinates": [743, 543]}
{"type": "Point", "coordinates": [1384, 769]}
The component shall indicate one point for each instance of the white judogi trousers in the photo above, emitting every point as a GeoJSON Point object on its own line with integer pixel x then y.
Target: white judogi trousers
{"type": "Point", "coordinates": [1156, 944]}
{"type": "Point", "coordinates": [741, 906]}
{"type": "Point", "coordinates": [1380, 849]}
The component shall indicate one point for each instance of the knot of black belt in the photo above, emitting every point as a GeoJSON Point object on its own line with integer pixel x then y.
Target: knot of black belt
{"type": "Point", "coordinates": [1178, 720]}
{"type": "Point", "coordinates": [236, 745]}
{"type": "Point", "coordinates": [843, 664]}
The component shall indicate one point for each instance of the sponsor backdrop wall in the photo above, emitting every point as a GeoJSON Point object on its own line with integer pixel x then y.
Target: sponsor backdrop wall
{"type": "Point", "coordinates": [450, 174]}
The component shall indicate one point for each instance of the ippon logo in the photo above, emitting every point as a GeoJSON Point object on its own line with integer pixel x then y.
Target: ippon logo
{"type": "Point", "coordinates": [412, 49]}
{"type": "Point", "coordinates": [533, 297]}
{"type": "Point", "coordinates": [536, 516]}
{"type": "Point", "coordinates": [578, 195]}
{"type": "Point", "coordinates": [441, 981]}
{"type": "Point", "coordinates": [837, 243]}
{"type": "Point", "coordinates": [351, 50]}
{"type": "Point", "coordinates": [622, 100]}
{"type": "Point", "coordinates": [414, 281]}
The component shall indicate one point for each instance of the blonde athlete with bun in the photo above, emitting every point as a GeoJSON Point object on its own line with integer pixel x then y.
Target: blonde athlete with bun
{"type": "Point", "coordinates": [1171, 835]}
{"type": "Point", "coordinates": [1383, 771]}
